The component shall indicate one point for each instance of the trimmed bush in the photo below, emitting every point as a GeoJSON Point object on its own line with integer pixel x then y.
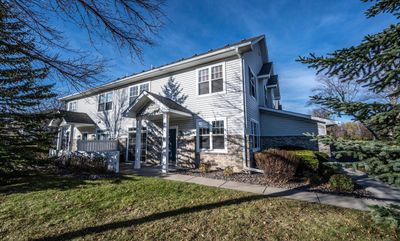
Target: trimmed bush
{"type": "Point", "coordinates": [308, 160]}
{"type": "Point", "coordinates": [278, 165]}
{"type": "Point", "coordinates": [205, 167]}
{"type": "Point", "coordinates": [228, 171]}
{"type": "Point", "coordinates": [341, 183]}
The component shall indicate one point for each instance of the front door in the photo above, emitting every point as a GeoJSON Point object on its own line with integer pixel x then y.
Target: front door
{"type": "Point", "coordinates": [172, 147]}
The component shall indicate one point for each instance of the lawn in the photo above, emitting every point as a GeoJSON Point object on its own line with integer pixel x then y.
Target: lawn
{"type": "Point", "coordinates": [141, 208]}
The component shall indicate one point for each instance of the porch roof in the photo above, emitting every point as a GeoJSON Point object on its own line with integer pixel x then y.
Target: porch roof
{"type": "Point", "coordinates": [71, 117]}
{"type": "Point", "coordinates": [165, 104]}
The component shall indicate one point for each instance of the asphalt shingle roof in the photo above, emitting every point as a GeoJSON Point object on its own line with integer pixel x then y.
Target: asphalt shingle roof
{"type": "Point", "coordinates": [265, 69]}
{"type": "Point", "coordinates": [170, 103]}
{"type": "Point", "coordinates": [76, 117]}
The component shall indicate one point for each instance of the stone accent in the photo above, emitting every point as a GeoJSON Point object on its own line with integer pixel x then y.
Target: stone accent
{"type": "Point", "coordinates": [279, 141]}
{"type": "Point", "coordinates": [233, 158]}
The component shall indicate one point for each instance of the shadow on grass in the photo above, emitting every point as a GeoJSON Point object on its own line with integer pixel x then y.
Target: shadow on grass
{"type": "Point", "coordinates": [150, 218]}
{"type": "Point", "coordinates": [54, 182]}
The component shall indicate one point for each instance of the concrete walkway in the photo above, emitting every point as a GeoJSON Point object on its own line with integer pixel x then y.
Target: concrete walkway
{"type": "Point", "coordinates": [380, 190]}
{"type": "Point", "coordinates": [330, 199]}
{"type": "Point", "coordinates": [335, 200]}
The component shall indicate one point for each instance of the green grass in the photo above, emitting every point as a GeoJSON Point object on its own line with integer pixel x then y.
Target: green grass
{"type": "Point", "coordinates": [139, 208]}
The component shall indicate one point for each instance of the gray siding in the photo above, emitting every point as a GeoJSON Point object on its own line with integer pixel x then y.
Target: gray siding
{"type": "Point", "coordinates": [253, 60]}
{"type": "Point", "coordinates": [278, 125]}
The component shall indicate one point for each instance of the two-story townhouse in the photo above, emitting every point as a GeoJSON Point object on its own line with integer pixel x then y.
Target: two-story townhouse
{"type": "Point", "coordinates": [232, 109]}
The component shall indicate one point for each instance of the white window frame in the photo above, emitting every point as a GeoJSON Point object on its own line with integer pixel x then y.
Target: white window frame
{"type": "Point", "coordinates": [250, 83]}
{"type": "Point", "coordinates": [139, 92]}
{"type": "Point", "coordinates": [255, 135]}
{"type": "Point", "coordinates": [105, 100]}
{"type": "Point", "coordinates": [209, 79]}
{"type": "Point", "coordinates": [106, 132]}
{"type": "Point", "coordinates": [75, 104]}
{"type": "Point", "coordinates": [209, 122]}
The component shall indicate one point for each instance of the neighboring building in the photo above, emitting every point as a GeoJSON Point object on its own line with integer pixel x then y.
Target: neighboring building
{"type": "Point", "coordinates": [232, 110]}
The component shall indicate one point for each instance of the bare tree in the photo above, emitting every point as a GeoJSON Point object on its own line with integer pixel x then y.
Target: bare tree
{"type": "Point", "coordinates": [125, 24]}
{"type": "Point", "coordinates": [321, 113]}
{"type": "Point", "coordinates": [112, 119]}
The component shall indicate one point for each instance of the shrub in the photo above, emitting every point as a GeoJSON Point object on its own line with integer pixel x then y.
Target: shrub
{"type": "Point", "coordinates": [386, 216]}
{"type": "Point", "coordinates": [278, 165]}
{"type": "Point", "coordinates": [327, 170]}
{"type": "Point", "coordinates": [322, 156]}
{"type": "Point", "coordinates": [228, 171]}
{"type": "Point", "coordinates": [341, 183]}
{"type": "Point", "coordinates": [83, 163]}
{"type": "Point", "coordinates": [308, 160]}
{"type": "Point", "coordinates": [205, 167]}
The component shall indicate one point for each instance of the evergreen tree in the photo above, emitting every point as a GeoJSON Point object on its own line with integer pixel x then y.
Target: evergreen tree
{"type": "Point", "coordinates": [375, 64]}
{"type": "Point", "coordinates": [173, 90]}
{"type": "Point", "coordinates": [23, 132]}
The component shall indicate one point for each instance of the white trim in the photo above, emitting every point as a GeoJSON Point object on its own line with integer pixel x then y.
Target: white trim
{"type": "Point", "coordinates": [105, 100]}
{"type": "Point", "coordinates": [289, 113]}
{"type": "Point", "coordinates": [71, 102]}
{"type": "Point", "coordinates": [209, 122]}
{"type": "Point", "coordinates": [138, 85]}
{"type": "Point", "coordinates": [255, 83]}
{"type": "Point", "coordinates": [209, 79]}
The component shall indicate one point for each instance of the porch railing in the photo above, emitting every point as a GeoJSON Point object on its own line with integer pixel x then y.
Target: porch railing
{"type": "Point", "coordinates": [97, 145]}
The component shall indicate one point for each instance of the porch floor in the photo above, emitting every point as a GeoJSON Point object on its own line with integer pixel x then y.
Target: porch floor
{"type": "Point", "coordinates": [147, 171]}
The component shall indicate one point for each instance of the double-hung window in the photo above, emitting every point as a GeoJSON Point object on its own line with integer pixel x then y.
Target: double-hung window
{"type": "Point", "coordinates": [212, 135]}
{"type": "Point", "coordinates": [253, 84]}
{"type": "Point", "coordinates": [72, 106]}
{"type": "Point", "coordinates": [136, 90]}
{"type": "Point", "coordinates": [210, 79]}
{"type": "Point", "coordinates": [105, 101]}
{"type": "Point", "coordinates": [255, 134]}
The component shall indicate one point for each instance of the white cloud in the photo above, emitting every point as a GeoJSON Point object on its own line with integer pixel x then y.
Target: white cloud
{"type": "Point", "coordinates": [296, 84]}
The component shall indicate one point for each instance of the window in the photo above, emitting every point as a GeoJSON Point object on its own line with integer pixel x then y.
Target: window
{"type": "Point", "coordinates": [105, 101]}
{"type": "Point", "coordinates": [136, 90]}
{"type": "Point", "coordinates": [265, 95]}
{"type": "Point", "coordinates": [103, 135]}
{"type": "Point", "coordinates": [211, 80]}
{"type": "Point", "coordinates": [71, 106]}
{"type": "Point", "coordinates": [252, 79]}
{"type": "Point", "coordinates": [211, 135]}
{"type": "Point", "coordinates": [255, 134]}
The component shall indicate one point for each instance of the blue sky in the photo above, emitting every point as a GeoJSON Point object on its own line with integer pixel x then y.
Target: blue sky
{"type": "Point", "coordinates": [292, 28]}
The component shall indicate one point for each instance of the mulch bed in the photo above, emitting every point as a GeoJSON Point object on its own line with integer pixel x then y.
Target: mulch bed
{"type": "Point", "coordinates": [259, 179]}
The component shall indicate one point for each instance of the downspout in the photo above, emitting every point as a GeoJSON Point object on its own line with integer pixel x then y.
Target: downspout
{"type": "Point", "coordinates": [244, 141]}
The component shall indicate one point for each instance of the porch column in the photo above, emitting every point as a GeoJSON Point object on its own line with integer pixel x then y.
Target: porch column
{"type": "Point", "coordinates": [165, 142]}
{"type": "Point", "coordinates": [138, 148]}
{"type": "Point", "coordinates": [71, 137]}
{"type": "Point", "coordinates": [59, 138]}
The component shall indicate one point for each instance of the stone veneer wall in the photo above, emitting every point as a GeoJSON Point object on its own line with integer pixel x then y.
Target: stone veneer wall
{"type": "Point", "coordinates": [279, 141]}
{"type": "Point", "coordinates": [233, 158]}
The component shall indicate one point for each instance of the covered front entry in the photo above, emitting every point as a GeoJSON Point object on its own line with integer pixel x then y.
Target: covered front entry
{"type": "Point", "coordinates": [155, 112]}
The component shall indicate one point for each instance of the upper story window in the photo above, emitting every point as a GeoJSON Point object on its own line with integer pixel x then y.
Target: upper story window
{"type": "Point", "coordinates": [212, 135]}
{"type": "Point", "coordinates": [210, 79]}
{"type": "Point", "coordinates": [253, 84]}
{"type": "Point", "coordinates": [255, 134]}
{"type": "Point", "coordinates": [72, 106]}
{"type": "Point", "coordinates": [136, 90]}
{"type": "Point", "coordinates": [105, 101]}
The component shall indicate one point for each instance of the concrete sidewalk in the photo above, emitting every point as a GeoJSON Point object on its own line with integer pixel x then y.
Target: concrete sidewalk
{"type": "Point", "coordinates": [335, 200]}
{"type": "Point", "coordinates": [380, 190]}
